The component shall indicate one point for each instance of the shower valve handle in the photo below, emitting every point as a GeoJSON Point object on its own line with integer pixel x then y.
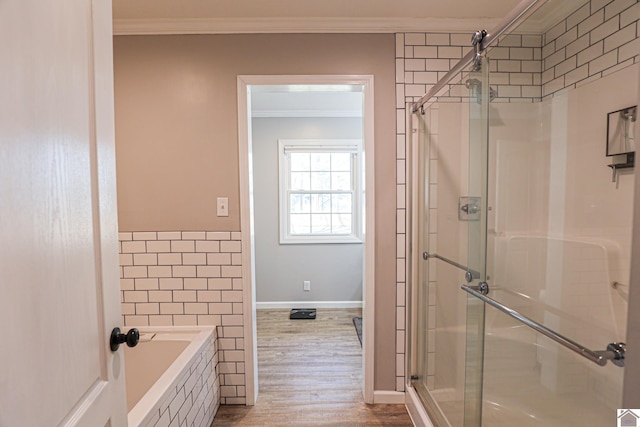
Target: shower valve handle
{"type": "Point", "coordinates": [470, 208]}
{"type": "Point", "coordinates": [131, 338]}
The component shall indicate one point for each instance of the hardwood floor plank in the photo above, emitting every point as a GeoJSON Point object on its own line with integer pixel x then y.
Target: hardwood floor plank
{"type": "Point", "coordinates": [310, 374]}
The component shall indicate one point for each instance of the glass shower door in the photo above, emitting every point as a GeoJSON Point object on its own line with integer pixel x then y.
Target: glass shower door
{"type": "Point", "coordinates": [553, 264]}
{"type": "Point", "coordinates": [424, 127]}
{"type": "Point", "coordinates": [449, 137]}
{"type": "Point", "coordinates": [474, 213]}
{"type": "Point", "coordinates": [515, 191]}
{"type": "Point", "coordinates": [556, 241]}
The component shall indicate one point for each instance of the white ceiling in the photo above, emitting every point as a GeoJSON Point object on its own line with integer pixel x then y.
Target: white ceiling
{"type": "Point", "coordinates": [321, 16]}
{"type": "Point", "coordinates": [287, 16]}
{"type": "Point", "coordinates": [165, 9]}
{"type": "Point", "coordinates": [320, 101]}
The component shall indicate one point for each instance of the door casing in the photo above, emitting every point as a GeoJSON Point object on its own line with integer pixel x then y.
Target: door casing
{"type": "Point", "coordinates": [246, 220]}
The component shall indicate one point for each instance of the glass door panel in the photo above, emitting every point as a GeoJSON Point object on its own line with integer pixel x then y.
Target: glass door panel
{"type": "Point", "coordinates": [473, 213]}
{"type": "Point", "coordinates": [424, 128]}
{"type": "Point", "coordinates": [514, 189]}
{"type": "Point", "coordinates": [558, 237]}
{"type": "Point", "coordinates": [442, 147]}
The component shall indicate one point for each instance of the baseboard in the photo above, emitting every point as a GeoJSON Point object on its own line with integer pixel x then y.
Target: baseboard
{"type": "Point", "coordinates": [307, 304]}
{"type": "Point", "coordinates": [416, 411]}
{"type": "Point", "coordinates": [388, 397]}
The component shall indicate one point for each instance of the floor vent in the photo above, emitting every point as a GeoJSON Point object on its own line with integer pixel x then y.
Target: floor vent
{"type": "Point", "coordinates": [303, 313]}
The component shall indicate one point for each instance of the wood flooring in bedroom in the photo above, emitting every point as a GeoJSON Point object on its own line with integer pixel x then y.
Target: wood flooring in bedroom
{"type": "Point", "coordinates": [310, 374]}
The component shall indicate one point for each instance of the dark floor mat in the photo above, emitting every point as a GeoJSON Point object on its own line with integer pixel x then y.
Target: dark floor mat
{"type": "Point", "coordinates": [302, 313]}
{"type": "Point", "coordinates": [357, 322]}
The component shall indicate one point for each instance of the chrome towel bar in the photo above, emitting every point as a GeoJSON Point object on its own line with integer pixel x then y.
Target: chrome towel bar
{"type": "Point", "coordinates": [614, 352]}
{"type": "Point", "coordinates": [469, 273]}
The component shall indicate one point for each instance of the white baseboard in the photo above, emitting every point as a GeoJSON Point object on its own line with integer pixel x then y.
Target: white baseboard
{"type": "Point", "coordinates": [388, 397]}
{"type": "Point", "coordinates": [416, 411]}
{"type": "Point", "coordinates": [307, 304]}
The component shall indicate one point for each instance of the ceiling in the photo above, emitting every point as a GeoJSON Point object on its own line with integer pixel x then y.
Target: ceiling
{"type": "Point", "coordinates": [306, 101]}
{"type": "Point", "coordinates": [164, 9]}
{"type": "Point", "coordinates": [263, 16]}
{"type": "Point", "coordinates": [321, 16]}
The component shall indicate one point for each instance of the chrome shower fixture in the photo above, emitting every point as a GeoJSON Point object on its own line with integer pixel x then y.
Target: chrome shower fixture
{"type": "Point", "coordinates": [475, 88]}
{"type": "Point", "coordinates": [629, 114]}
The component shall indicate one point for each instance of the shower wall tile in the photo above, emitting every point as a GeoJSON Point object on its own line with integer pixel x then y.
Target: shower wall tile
{"type": "Point", "coordinates": [619, 38]}
{"type": "Point", "coordinates": [618, 67]}
{"type": "Point", "coordinates": [185, 278]}
{"type": "Point", "coordinates": [438, 39]}
{"type": "Point", "coordinates": [400, 45]}
{"type": "Point", "coordinates": [597, 39]}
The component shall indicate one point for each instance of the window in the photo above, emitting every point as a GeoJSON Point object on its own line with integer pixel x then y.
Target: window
{"type": "Point", "coordinates": [320, 191]}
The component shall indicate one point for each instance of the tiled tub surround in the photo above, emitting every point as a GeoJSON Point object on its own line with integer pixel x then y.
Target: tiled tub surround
{"type": "Point", "coordinates": [598, 39]}
{"type": "Point", "coordinates": [188, 392]}
{"type": "Point", "coordinates": [187, 278]}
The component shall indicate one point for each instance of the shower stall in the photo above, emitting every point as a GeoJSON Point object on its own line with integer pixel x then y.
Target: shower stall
{"type": "Point", "coordinates": [520, 236]}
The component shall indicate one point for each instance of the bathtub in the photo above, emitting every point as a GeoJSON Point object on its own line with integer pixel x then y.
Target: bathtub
{"type": "Point", "coordinates": [528, 380]}
{"type": "Point", "coordinates": [171, 374]}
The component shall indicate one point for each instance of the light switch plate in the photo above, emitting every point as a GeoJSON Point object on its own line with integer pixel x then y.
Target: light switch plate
{"type": "Point", "coordinates": [223, 206]}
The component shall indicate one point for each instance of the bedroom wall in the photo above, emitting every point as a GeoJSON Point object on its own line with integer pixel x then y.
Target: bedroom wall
{"type": "Point", "coordinates": [334, 270]}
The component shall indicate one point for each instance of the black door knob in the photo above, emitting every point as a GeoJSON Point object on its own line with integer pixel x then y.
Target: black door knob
{"type": "Point", "coordinates": [131, 338]}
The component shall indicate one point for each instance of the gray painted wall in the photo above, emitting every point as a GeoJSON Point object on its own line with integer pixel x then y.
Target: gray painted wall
{"type": "Point", "coordinates": [335, 270]}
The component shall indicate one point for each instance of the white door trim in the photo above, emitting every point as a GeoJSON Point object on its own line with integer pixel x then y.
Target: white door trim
{"type": "Point", "coordinates": [246, 221]}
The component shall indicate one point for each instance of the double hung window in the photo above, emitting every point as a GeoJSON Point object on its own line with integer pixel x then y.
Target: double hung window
{"type": "Point", "coordinates": [320, 191]}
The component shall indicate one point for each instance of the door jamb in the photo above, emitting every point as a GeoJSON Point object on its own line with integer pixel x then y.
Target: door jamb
{"type": "Point", "coordinates": [246, 222]}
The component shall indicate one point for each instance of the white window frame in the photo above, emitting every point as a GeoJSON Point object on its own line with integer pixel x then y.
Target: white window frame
{"type": "Point", "coordinates": [320, 145]}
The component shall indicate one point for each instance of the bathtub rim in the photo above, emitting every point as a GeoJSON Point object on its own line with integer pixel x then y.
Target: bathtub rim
{"type": "Point", "coordinates": [143, 410]}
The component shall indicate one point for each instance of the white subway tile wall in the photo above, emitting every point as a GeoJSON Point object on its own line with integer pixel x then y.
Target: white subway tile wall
{"type": "Point", "coordinates": [599, 38]}
{"type": "Point", "coordinates": [194, 399]}
{"type": "Point", "coordinates": [188, 278]}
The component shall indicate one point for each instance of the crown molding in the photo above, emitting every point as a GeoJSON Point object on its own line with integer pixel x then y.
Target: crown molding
{"type": "Point", "coordinates": [296, 25]}
{"type": "Point", "coordinates": [546, 18]}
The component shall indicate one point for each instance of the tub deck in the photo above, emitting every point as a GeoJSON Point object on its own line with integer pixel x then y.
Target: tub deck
{"type": "Point", "coordinates": [172, 377]}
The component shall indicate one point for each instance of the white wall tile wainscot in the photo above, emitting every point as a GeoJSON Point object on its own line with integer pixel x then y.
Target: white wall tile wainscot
{"type": "Point", "coordinates": [185, 278]}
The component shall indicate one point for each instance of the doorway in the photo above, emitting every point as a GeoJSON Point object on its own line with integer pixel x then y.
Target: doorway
{"type": "Point", "coordinates": [364, 213]}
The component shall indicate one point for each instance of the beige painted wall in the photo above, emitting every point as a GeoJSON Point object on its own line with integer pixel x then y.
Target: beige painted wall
{"type": "Point", "coordinates": [177, 142]}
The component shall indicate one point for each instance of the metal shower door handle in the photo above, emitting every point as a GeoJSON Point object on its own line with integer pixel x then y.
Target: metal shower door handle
{"type": "Point", "coordinates": [470, 208]}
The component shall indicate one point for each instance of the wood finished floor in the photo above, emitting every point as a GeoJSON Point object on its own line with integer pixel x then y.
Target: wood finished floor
{"type": "Point", "coordinates": [310, 374]}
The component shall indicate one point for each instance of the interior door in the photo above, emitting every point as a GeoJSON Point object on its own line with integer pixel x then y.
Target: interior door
{"type": "Point", "coordinates": [59, 293]}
